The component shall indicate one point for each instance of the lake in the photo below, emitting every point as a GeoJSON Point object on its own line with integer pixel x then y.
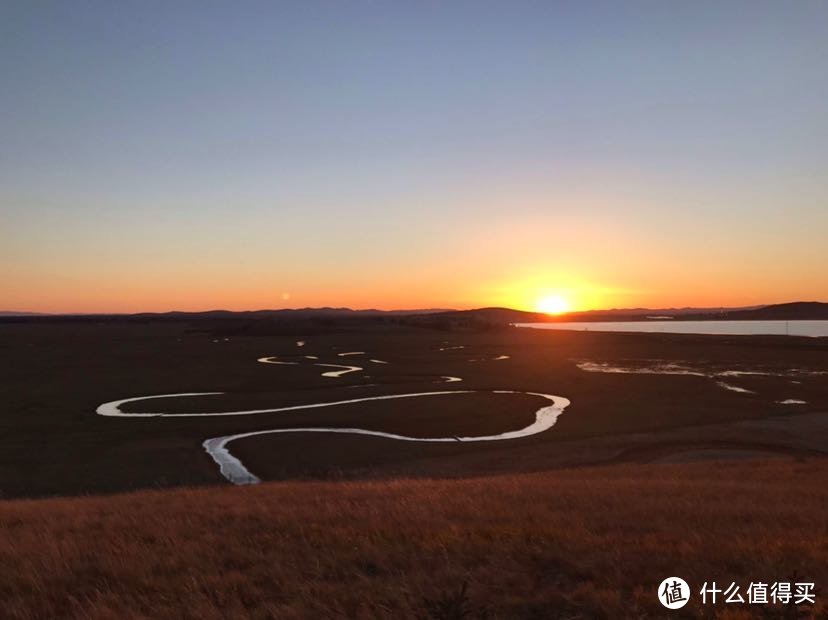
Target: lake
{"type": "Point", "coordinates": [724, 328]}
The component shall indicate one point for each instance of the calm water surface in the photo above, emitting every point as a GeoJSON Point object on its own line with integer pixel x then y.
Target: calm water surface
{"type": "Point", "coordinates": [729, 328]}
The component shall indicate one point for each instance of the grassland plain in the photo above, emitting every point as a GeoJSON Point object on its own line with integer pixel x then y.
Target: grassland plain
{"type": "Point", "coordinates": [577, 543]}
{"type": "Point", "coordinates": [57, 372]}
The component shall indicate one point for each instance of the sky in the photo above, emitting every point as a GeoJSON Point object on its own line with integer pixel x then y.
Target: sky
{"type": "Point", "coordinates": [247, 155]}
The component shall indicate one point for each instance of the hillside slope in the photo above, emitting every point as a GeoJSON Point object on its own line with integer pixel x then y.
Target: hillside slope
{"type": "Point", "coordinates": [586, 543]}
{"type": "Point", "coordinates": [798, 310]}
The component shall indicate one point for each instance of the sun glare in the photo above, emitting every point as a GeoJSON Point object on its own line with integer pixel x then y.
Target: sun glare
{"type": "Point", "coordinates": [554, 304]}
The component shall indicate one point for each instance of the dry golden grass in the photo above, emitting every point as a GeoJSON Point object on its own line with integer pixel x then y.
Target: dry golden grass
{"type": "Point", "coordinates": [585, 543]}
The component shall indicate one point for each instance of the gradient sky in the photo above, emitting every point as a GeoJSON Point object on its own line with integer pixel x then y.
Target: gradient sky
{"type": "Point", "coordinates": [244, 155]}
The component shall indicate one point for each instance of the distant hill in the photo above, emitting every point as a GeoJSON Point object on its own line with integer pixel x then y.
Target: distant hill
{"type": "Point", "coordinates": [291, 313]}
{"type": "Point", "coordinates": [794, 311]}
{"type": "Point", "coordinates": [15, 313]}
{"type": "Point", "coordinates": [635, 314]}
{"type": "Point", "coordinates": [290, 321]}
{"type": "Point", "coordinates": [444, 318]}
{"type": "Point", "coordinates": [508, 315]}
{"type": "Point", "coordinates": [494, 315]}
{"type": "Point", "coordinates": [483, 316]}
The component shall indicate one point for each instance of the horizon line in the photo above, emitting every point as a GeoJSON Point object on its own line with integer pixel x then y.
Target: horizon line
{"type": "Point", "coordinates": [401, 310]}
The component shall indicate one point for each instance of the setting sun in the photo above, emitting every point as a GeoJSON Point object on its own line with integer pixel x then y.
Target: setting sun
{"type": "Point", "coordinates": [553, 304]}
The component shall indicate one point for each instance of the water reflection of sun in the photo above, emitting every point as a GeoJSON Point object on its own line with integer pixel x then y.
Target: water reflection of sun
{"type": "Point", "coordinates": [553, 304]}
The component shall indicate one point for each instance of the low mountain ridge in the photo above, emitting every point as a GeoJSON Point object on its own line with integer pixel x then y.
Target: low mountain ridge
{"type": "Point", "coordinates": [792, 311]}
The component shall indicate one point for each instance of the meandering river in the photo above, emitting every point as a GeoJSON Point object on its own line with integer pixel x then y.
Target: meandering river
{"type": "Point", "coordinates": [236, 472]}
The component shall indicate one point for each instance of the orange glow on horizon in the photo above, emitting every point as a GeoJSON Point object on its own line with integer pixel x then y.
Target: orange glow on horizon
{"type": "Point", "coordinates": [522, 285]}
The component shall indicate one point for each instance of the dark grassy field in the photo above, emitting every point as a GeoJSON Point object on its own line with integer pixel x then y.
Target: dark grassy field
{"type": "Point", "coordinates": [582, 543]}
{"type": "Point", "coordinates": [57, 373]}
{"type": "Point", "coordinates": [581, 521]}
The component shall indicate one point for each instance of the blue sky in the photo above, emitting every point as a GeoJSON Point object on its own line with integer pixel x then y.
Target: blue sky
{"type": "Point", "coordinates": [218, 154]}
